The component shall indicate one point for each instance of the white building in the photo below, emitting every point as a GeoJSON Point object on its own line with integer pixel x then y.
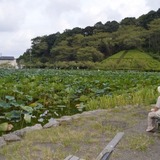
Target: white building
{"type": "Point", "coordinates": [8, 60]}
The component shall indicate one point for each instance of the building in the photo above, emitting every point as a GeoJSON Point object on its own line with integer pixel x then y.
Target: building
{"type": "Point", "coordinates": [8, 61]}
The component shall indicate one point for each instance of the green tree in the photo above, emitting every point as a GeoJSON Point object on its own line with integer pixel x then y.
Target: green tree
{"type": "Point", "coordinates": [145, 19]}
{"type": "Point", "coordinates": [111, 26]}
{"type": "Point", "coordinates": [129, 37]}
{"type": "Point", "coordinates": [128, 21]}
{"type": "Point", "coordinates": [154, 36]}
{"type": "Point", "coordinates": [89, 54]}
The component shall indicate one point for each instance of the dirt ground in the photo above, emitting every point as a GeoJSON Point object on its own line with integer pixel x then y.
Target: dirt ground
{"type": "Point", "coordinates": [132, 120]}
{"type": "Point", "coordinates": [152, 152]}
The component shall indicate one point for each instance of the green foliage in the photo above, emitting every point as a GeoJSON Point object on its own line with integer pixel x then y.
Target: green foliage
{"type": "Point", "coordinates": [128, 21]}
{"type": "Point", "coordinates": [95, 43]}
{"type": "Point", "coordinates": [28, 96]}
{"type": "Point", "coordinates": [89, 54]}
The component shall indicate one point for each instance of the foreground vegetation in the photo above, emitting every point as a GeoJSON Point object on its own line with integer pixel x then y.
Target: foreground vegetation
{"type": "Point", "coordinates": [34, 96]}
{"type": "Point", "coordinates": [86, 137]}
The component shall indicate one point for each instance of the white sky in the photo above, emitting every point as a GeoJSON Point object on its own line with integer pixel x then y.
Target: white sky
{"type": "Point", "coordinates": [22, 20]}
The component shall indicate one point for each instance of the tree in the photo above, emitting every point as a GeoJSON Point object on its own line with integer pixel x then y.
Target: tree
{"type": "Point", "coordinates": [88, 31]}
{"type": "Point", "coordinates": [144, 20]}
{"type": "Point", "coordinates": [154, 35]}
{"type": "Point", "coordinates": [62, 53]}
{"type": "Point", "coordinates": [89, 54]}
{"type": "Point", "coordinates": [129, 37]}
{"type": "Point", "coordinates": [111, 26]}
{"type": "Point", "coordinates": [128, 21]}
{"type": "Point", "coordinates": [99, 25]}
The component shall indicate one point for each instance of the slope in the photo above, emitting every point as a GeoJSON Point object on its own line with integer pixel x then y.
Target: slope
{"type": "Point", "coordinates": [132, 60]}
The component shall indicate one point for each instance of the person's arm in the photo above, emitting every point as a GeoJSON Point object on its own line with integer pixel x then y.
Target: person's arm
{"type": "Point", "coordinates": [157, 106]}
{"type": "Point", "coordinates": [154, 109]}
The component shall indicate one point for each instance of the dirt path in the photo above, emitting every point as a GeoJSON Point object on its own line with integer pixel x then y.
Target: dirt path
{"type": "Point", "coordinates": [152, 152]}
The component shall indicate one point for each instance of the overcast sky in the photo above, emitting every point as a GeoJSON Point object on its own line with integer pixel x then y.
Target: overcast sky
{"type": "Point", "coordinates": [22, 20]}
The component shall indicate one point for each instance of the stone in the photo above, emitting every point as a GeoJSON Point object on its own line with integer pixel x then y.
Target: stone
{"type": "Point", "coordinates": [2, 142]}
{"type": "Point", "coordinates": [52, 123]}
{"type": "Point", "coordinates": [21, 132]}
{"type": "Point", "coordinates": [11, 137]}
{"type": "Point", "coordinates": [76, 116]}
{"type": "Point", "coordinates": [64, 119]}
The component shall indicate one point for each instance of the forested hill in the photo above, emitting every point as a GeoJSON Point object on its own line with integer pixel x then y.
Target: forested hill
{"type": "Point", "coordinates": [84, 47]}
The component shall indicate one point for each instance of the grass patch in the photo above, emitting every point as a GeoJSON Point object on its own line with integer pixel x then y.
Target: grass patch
{"type": "Point", "coordinates": [131, 59]}
{"type": "Point", "coordinates": [141, 97]}
{"type": "Point", "coordinates": [140, 142]}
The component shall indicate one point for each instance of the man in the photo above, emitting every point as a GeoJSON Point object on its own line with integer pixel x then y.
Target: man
{"type": "Point", "coordinates": [155, 113]}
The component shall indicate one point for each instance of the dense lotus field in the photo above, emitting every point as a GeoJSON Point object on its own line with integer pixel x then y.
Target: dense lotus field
{"type": "Point", "coordinates": [34, 96]}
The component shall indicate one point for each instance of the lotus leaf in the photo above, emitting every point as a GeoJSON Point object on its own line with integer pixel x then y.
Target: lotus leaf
{"type": "Point", "coordinates": [5, 105]}
{"type": "Point", "coordinates": [27, 108]}
{"type": "Point", "coordinates": [29, 98]}
{"type": "Point", "coordinates": [13, 115]}
{"type": "Point", "coordinates": [4, 126]}
{"type": "Point", "coordinates": [33, 104]}
{"type": "Point", "coordinates": [10, 98]}
{"type": "Point", "coordinates": [27, 118]}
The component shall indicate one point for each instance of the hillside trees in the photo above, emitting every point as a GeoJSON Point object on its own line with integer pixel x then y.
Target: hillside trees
{"type": "Point", "coordinates": [95, 43]}
{"type": "Point", "coordinates": [154, 35]}
{"type": "Point", "coordinates": [129, 37]}
{"type": "Point", "coordinates": [128, 21]}
{"type": "Point", "coordinates": [89, 54]}
{"type": "Point", "coordinates": [111, 26]}
{"type": "Point", "coordinates": [153, 39]}
{"type": "Point", "coordinates": [145, 19]}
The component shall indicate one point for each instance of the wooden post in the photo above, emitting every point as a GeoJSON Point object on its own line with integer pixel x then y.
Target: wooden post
{"type": "Point", "coordinates": [105, 154]}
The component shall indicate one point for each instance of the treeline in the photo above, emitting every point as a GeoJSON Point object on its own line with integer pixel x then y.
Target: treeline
{"type": "Point", "coordinates": [85, 47]}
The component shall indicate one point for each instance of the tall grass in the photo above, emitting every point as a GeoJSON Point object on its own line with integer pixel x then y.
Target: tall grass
{"type": "Point", "coordinates": [143, 96]}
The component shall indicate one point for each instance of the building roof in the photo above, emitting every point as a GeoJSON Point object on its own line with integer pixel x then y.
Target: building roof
{"type": "Point", "coordinates": [7, 58]}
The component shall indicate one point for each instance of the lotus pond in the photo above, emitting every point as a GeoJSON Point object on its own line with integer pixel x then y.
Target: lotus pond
{"type": "Point", "coordinates": [34, 96]}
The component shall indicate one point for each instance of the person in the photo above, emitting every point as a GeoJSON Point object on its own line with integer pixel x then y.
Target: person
{"type": "Point", "coordinates": [155, 113]}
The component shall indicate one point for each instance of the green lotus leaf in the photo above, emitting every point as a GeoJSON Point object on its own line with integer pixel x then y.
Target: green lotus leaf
{"type": "Point", "coordinates": [27, 108]}
{"type": "Point", "coordinates": [2, 117]}
{"type": "Point", "coordinates": [27, 118]}
{"type": "Point", "coordinates": [14, 104]}
{"type": "Point", "coordinates": [10, 98]}
{"type": "Point", "coordinates": [5, 126]}
{"type": "Point", "coordinates": [13, 115]}
{"type": "Point", "coordinates": [5, 105]}
{"type": "Point", "coordinates": [29, 98]}
{"type": "Point", "coordinates": [33, 104]}
{"type": "Point", "coordinates": [39, 106]}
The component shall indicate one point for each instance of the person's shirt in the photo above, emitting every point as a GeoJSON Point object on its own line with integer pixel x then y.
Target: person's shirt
{"type": "Point", "coordinates": [158, 102]}
{"type": "Point", "coordinates": [158, 106]}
